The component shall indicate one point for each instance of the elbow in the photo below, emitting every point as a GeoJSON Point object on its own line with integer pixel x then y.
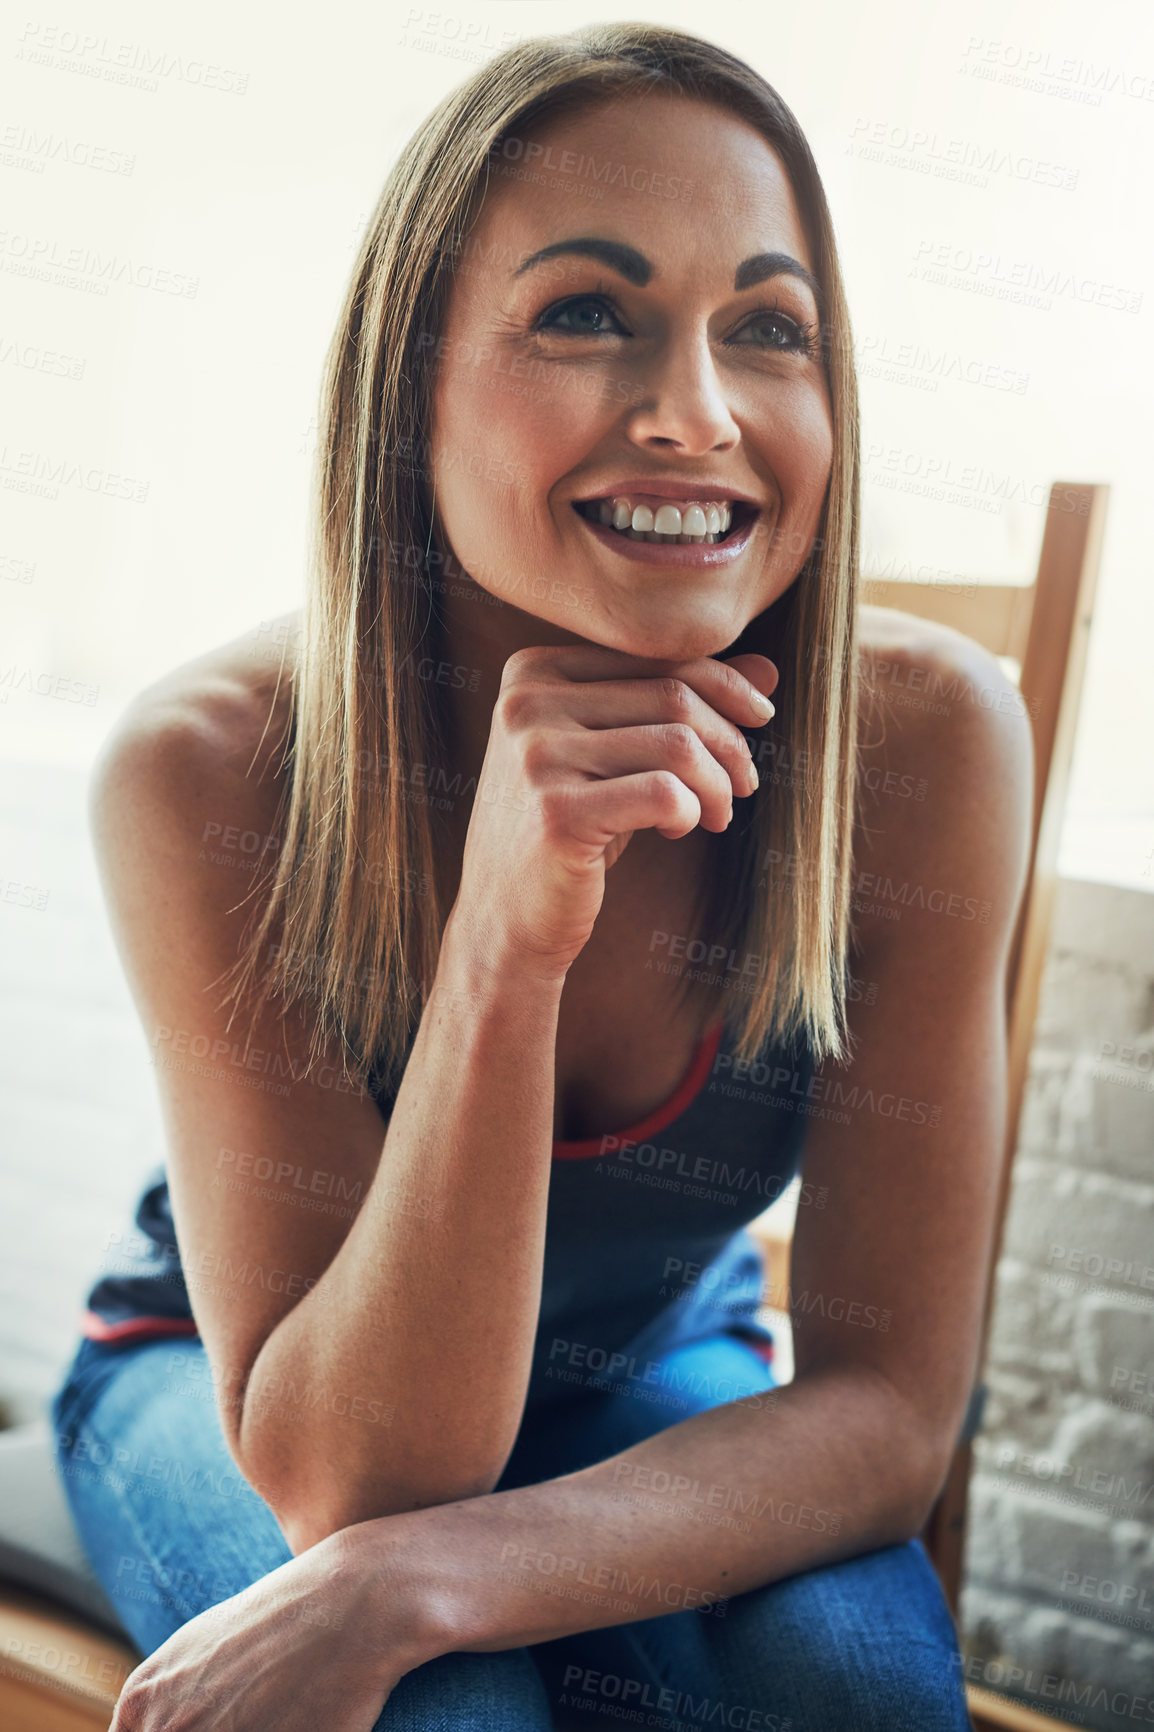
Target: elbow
{"type": "Point", "coordinates": [312, 1500]}
{"type": "Point", "coordinates": [927, 1471]}
{"type": "Point", "coordinates": [919, 1452]}
{"type": "Point", "coordinates": [299, 1509]}
{"type": "Point", "coordinates": [302, 1534]}
{"type": "Point", "coordinates": [312, 1513]}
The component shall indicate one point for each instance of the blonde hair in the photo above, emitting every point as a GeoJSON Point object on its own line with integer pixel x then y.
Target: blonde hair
{"type": "Point", "coordinates": [353, 892]}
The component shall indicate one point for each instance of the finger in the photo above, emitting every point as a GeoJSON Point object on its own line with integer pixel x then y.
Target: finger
{"type": "Point", "coordinates": [727, 689]}
{"type": "Point", "coordinates": [596, 812]}
{"type": "Point", "coordinates": [614, 704]}
{"type": "Point", "coordinates": [758, 669]}
{"type": "Point", "coordinates": [613, 752]}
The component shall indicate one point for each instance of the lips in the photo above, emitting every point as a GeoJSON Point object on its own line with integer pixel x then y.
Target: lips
{"type": "Point", "coordinates": [666, 487]}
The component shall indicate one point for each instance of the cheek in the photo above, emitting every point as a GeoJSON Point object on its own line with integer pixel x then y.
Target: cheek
{"type": "Point", "coordinates": [802, 451]}
{"type": "Point", "coordinates": [484, 411]}
{"type": "Point", "coordinates": [506, 431]}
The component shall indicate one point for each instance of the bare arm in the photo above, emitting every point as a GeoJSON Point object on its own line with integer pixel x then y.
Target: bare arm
{"type": "Point", "coordinates": [437, 1286]}
{"type": "Point", "coordinates": [716, 1505]}
{"type": "Point", "coordinates": [887, 1280]}
{"type": "Point", "coordinates": [397, 1346]}
{"type": "Point", "coordinates": [385, 1366]}
{"type": "Point", "coordinates": [845, 1460]}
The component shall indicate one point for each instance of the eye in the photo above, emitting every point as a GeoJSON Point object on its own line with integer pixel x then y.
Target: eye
{"type": "Point", "coordinates": [582, 316]}
{"type": "Point", "coordinates": [773, 329]}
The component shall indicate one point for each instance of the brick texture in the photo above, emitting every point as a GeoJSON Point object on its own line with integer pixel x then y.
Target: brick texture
{"type": "Point", "coordinates": [1058, 1602]}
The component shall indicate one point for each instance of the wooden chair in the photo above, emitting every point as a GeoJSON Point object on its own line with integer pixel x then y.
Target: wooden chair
{"type": "Point", "coordinates": [60, 1672]}
{"type": "Point", "coordinates": [1044, 627]}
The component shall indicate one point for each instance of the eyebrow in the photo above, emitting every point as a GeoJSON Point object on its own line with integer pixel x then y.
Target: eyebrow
{"type": "Point", "coordinates": [636, 268]}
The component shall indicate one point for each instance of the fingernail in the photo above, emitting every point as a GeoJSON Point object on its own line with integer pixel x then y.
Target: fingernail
{"type": "Point", "coordinates": [763, 704]}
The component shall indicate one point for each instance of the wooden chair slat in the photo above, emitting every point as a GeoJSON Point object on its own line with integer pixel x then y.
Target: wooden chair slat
{"type": "Point", "coordinates": [990, 1712]}
{"type": "Point", "coordinates": [996, 615]}
{"type": "Point", "coordinates": [58, 1673]}
{"type": "Point", "coordinates": [1053, 670]}
{"type": "Point", "coordinates": [1044, 626]}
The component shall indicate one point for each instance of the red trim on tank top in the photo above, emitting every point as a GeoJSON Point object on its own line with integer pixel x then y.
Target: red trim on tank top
{"type": "Point", "coordinates": [757, 1344]}
{"type": "Point", "coordinates": [96, 1329]}
{"type": "Point", "coordinates": [691, 1084]}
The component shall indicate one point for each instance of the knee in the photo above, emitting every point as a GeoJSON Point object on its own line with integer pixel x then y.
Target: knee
{"type": "Point", "coordinates": [866, 1644]}
{"type": "Point", "coordinates": [889, 1684]}
{"type": "Point", "coordinates": [499, 1692]}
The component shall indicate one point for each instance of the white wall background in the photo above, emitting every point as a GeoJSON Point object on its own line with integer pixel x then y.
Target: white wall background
{"type": "Point", "coordinates": [181, 193]}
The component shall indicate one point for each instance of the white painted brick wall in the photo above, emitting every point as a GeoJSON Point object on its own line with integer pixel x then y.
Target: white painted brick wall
{"type": "Point", "coordinates": [1058, 1602]}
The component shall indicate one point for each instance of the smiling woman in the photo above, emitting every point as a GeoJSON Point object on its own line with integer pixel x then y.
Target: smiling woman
{"type": "Point", "coordinates": [473, 1422]}
{"type": "Point", "coordinates": [494, 363]}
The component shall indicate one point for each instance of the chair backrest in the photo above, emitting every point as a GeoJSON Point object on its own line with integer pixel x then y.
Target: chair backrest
{"type": "Point", "coordinates": [1044, 627]}
{"type": "Point", "coordinates": [996, 615]}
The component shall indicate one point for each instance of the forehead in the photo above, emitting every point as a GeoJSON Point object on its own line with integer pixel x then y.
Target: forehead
{"type": "Point", "coordinates": [673, 174]}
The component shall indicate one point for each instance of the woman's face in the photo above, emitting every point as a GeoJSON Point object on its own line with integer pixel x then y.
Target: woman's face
{"type": "Point", "coordinates": [654, 346]}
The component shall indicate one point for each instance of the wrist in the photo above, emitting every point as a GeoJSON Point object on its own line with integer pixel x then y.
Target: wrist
{"type": "Point", "coordinates": [483, 962]}
{"type": "Point", "coordinates": [391, 1561]}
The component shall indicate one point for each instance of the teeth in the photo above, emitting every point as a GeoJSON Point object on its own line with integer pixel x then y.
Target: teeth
{"type": "Point", "coordinates": [693, 526]}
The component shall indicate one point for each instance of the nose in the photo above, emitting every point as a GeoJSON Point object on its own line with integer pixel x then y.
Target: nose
{"type": "Point", "coordinates": [682, 407]}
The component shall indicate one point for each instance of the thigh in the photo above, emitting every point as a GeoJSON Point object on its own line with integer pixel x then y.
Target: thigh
{"type": "Point", "coordinates": [470, 1693]}
{"type": "Point", "coordinates": [863, 1644]}
{"type": "Point", "coordinates": [619, 1671]}
{"type": "Point", "coordinates": [866, 1645]}
{"type": "Point", "coordinates": [171, 1528]}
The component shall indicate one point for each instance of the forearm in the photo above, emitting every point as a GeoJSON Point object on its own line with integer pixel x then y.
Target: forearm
{"type": "Point", "coordinates": [724, 1502]}
{"type": "Point", "coordinates": [417, 1393]}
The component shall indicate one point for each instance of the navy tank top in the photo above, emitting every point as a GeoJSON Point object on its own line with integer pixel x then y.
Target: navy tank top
{"type": "Point", "coordinates": [645, 1243]}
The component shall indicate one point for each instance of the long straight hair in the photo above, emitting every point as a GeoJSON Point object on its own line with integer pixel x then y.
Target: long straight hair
{"type": "Point", "coordinates": [352, 895]}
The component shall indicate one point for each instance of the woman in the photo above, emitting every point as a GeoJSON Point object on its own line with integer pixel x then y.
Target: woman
{"type": "Point", "coordinates": [472, 1423]}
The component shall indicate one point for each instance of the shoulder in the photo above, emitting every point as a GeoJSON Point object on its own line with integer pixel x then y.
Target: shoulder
{"type": "Point", "coordinates": [935, 701]}
{"type": "Point", "coordinates": [917, 667]}
{"type": "Point", "coordinates": [945, 774]}
{"type": "Point", "coordinates": [202, 746]}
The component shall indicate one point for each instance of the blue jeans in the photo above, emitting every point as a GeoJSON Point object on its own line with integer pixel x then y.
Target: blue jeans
{"type": "Point", "coordinates": [171, 1527]}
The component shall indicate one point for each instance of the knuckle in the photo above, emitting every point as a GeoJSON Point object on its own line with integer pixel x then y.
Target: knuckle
{"type": "Point", "coordinates": [518, 665]}
{"type": "Point", "coordinates": [667, 787]}
{"type": "Point", "coordinates": [678, 697]}
{"type": "Point", "coordinates": [536, 754]}
{"type": "Point", "coordinates": [132, 1705]}
{"type": "Point", "coordinates": [681, 741]}
{"type": "Point", "coordinates": [515, 705]}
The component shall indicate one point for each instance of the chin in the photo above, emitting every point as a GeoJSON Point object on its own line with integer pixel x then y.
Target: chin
{"type": "Point", "coordinates": [664, 629]}
{"type": "Point", "coordinates": [666, 639]}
